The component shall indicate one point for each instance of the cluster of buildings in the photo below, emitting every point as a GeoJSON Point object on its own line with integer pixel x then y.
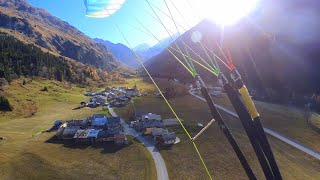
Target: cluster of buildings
{"type": "Point", "coordinates": [97, 128]}
{"type": "Point", "coordinates": [116, 96]}
{"type": "Point", "coordinates": [152, 125]}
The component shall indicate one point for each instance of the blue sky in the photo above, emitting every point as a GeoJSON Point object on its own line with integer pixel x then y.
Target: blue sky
{"type": "Point", "coordinates": [73, 11]}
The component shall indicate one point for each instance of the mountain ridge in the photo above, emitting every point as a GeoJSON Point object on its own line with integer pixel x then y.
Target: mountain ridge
{"type": "Point", "coordinates": [35, 25]}
{"type": "Point", "coordinates": [268, 64]}
{"type": "Point", "coordinates": [147, 52]}
{"type": "Point", "coordinates": [121, 52]}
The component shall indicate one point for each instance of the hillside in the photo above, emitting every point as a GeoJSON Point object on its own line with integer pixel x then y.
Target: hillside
{"type": "Point", "coordinates": [121, 52]}
{"type": "Point", "coordinates": [272, 62]}
{"type": "Point", "coordinates": [25, 156]}
{"type": "Point", "coordinates": [19, 59]}
{"type": "Point", "coordinates": [36, 26]}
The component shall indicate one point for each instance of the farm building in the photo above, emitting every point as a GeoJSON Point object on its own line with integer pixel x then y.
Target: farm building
{"type": "Point", "coordinates": [97, 128]}
{"type": "Point", "coordinates": [157, 132]}
{"type": "Point", "coordinates": [151, 116]}
{"type": "Point", "coordinates": [93, 104]}
{"type": "Point", "coordinates": [168, 138]}
{"type": "Point", "coordinates": [99, 122]}
{"type": "Point", "coordinates": [148, 131]}
{"type": "Point", "coordinates": [114, 123]}
{"type": "Point", "coordinates": [98, 99]}
{"type": "Point", "coordinates": [120, 101]}
{"type": "Point", "coordinates": [89, 94]}
{"type": "Point", "coordinates": [147, 121]}
{"type": "Point", "coordinates": [93, 133]}
{"type": "Point", "coordinates": [68, 132]}
{"type": "Point", "coordinates": [131, 92]}
{"type": "Point", "coordinates": [98, 116]}
{"type": "Point", "coordinates": [163, 136]}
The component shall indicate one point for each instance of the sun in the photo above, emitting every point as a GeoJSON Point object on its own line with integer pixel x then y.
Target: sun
{"type": "Point", "coordinates": [225, 12]}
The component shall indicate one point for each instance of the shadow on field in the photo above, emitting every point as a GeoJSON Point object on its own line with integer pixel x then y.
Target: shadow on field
{"type": "Point", "coordinates": [107, 147]}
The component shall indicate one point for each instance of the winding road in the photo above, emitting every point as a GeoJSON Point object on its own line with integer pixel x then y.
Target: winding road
{"type": "Point", "coordinates": [297, 145]}
{"type": "Point", "coordinates": [162, 173]}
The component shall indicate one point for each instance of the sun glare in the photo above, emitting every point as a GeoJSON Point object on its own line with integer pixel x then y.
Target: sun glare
{"type": "Point", "coordinates": [225, 12]}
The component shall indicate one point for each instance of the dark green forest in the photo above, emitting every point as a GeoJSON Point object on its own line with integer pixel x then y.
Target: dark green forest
{"type": "Point", "coordinates": [19, 59]}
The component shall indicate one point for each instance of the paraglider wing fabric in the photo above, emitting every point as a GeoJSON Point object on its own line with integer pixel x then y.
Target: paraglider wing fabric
{"type": "Point", "coordinates": [102, 8]}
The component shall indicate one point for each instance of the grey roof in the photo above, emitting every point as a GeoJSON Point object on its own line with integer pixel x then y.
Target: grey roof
{"type": "Point", "coordinates": [108, 133]}
{"type": "Point", "coordinates": [168, 136]}
{"type": "Point", "coordinates": [131, 89]}
{"type": "Point", "coordinates": [157, 132]}
{"type": "Point", "coordinates": [112, 120]}
{"type": "Point", "coordinates": [151, 116]}
{"type": "Point", "coordinates": [81, 134]}
{"type": "Point", "coordinates": [70, 131]}
{"type": "Point", "coordinates": [148, 124]}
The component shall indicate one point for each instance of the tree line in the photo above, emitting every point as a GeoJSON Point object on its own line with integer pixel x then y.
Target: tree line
{"type": "Point", "coordinates": [19, 59]}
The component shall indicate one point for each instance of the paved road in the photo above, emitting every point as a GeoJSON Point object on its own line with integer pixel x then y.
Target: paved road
{"type": "Point", "coordinates": [161, 168]}
{"type": "Point", "coordinates": [297, 145]}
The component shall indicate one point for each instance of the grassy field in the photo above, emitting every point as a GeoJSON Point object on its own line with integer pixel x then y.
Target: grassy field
{"type": "Point", "coordinates": [289, 121]}
{"type": "Point", "coordinates": [23, 156]}
{"type": "Point", "coordinates": [315, 120]}
{"type": "Point", "coordinates": [183, 163]}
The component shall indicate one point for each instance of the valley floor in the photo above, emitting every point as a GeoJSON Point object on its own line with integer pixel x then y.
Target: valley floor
{"type": "Point", "coordinates": [24, 156]}
{"type": "Point", "coordinates": [182, 161]}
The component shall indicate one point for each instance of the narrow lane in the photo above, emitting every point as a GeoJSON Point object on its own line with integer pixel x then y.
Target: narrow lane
{"type": "Point", "coordinates": [161, 168]}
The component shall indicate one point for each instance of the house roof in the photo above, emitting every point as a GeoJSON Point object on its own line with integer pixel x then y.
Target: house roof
{"type": "Point", "coordinates": [70, 130]}
{"type": "Point", "coordinates": [151, 116]}
{"type": "Point", "coordinates": [93, 133]}
{"type": "Point", "coordinates": [119, 136]}
{"type": "Point", "coordinates": [57, 122]}
{"type": "Point", "coordinates": [107, 133]}
{"type": "Point", "coordinates": [81, 133]}
{"type": "Point", "coordinates": [157, 131]}
{"type": "Point", "coordinates": [113, 120]}
{"type": "Point", "coordinates": [169, 136]}
{"type": "Point", "coordinates": [98, 116]}
{"type": "Point", "coordinates": [147, 124]}
{"type": "Point", "coordinates": [99, 121]}
{"type": "Point", "coordinates": [131, 89]}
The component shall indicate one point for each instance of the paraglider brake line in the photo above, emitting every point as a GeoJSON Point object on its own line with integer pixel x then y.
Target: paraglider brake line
{"type": "Point", "coordinates": [202, 130]}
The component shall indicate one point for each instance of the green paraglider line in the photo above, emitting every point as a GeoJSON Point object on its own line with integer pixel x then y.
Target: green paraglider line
{"type": "Point", "coordinates": [169, 47]}
{"type": "Point", "coordinates": [234, 99]}
{"type": "Point", "coordinates": [190, 71]}
{"type": "Point", "coordinates": [225, 129]}
{"type": "Point", "coordinates": [169, 35]}
{"type": "Point", "coordinates": [216, 68]}
{"type": "Point", "coordinates": [165, 99]}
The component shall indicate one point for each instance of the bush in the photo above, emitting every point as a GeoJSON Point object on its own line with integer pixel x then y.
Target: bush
{"type": "Point", "coordinates": [45, 89]}
{"type": "Point", "coordinates": [4, 104]}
